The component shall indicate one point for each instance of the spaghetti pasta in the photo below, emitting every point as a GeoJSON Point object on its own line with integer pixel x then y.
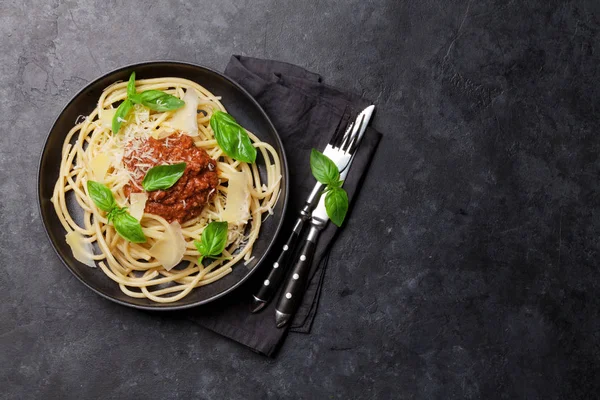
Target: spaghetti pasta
{"type": "Point", "coordinates": [92, 152]}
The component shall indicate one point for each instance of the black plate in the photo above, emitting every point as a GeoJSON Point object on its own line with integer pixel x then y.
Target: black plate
{"type": "Point", "coordinates": [237, 101]}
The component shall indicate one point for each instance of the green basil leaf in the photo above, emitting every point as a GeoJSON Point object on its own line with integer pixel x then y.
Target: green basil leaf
{"type": "Point", "coordinates": [131, 86]}
{"type": "Point", "coordinates": [114, 212]}
{"type": "Point", "coordinates": [101, 195]}
{"type": "Point", "coordinates": [128, 227]}
{"type": "Point", "coordinates": [159, 101]}
{"type": "Point", "coordinates": [232, 137]}
{"type": "Point", "coordinates": [121, 115]}
{"type": "Point", "coordinates": [163, 176]}
{"type": "Point", "coordinates": [213, 240]}
{"type": "Point", "coordinates": [135, 98]}
{"type": "Point", "coordinates": [336, 204]}
{"type": "Point", "coordinates": [323, 169]}
{"type": "Point", "coordinates": [224, 116]}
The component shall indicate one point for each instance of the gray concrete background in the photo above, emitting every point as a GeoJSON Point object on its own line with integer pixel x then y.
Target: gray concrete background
{"type": "Point", "coordinates": [469, 268]}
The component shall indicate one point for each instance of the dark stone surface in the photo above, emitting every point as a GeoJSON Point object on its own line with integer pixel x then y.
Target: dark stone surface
{"type": "Point", "coordinates": [469, 268]}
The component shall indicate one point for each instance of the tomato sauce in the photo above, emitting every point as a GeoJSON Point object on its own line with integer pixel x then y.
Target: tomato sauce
{"type": "Point", "coordinates": [186, 199]}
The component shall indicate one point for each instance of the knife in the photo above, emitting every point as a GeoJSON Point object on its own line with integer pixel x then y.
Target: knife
{"type": "Point", "coordinates": [281, 266]}
{"type": "Point", "coordinates": [291, 296]}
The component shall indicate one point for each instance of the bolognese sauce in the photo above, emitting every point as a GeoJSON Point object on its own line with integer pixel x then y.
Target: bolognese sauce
{"type": "Point", "coordinates": [184, 200]}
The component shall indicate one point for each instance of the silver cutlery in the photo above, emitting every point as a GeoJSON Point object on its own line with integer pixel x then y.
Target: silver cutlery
{"type": "Point", "coordinates": [291, 296]}
{"type": "Point", "coordinates": [279, 268]}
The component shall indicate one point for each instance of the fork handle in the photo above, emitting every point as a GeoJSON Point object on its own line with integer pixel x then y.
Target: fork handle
{"type": "Point", "coordinates": [278, 270]}
{"type": "Point", "coordinates": [292, 294]}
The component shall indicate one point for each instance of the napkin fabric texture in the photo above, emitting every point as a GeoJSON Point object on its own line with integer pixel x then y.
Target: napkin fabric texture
{"type": "Point", "coordinates": [305, 113]}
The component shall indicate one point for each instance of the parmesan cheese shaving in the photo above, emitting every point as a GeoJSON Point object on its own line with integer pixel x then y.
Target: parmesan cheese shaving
{"type": "Point", "coordinates": [169, 249]}
{"type": "Point", "coordinates": [186, 118]}
{"type": "Point", "coordinates": [141, 114]}
{"type": "Point", "coordinates": [82, 250]}
{"type": "Point", "coordinates": [106, 117]}
{"type": "Point", "coordinates": [238, 199]}
{"type": "Point", "coordinates": [138, 203]}
{"type": "Point", "coordinates": [162, 133]}
{"type": "Point", "coordinates": [99, 166]}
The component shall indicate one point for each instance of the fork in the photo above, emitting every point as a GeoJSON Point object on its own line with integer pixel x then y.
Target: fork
{"type": "Point", "coordinates": [338, 151]}
{"type": "Point", "coordinates": [291, 297]}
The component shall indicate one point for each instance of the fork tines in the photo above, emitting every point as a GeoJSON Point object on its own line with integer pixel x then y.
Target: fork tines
{"type": "Point", "coordinates": [356, 131]}
{"type": "Point", "coordinates": [342, 129]}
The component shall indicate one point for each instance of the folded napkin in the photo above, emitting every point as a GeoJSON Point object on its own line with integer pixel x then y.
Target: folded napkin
{"type": "Point", "coordinates": [305, 113]}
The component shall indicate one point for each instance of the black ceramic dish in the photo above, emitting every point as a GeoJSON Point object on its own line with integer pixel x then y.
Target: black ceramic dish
{"type": "Point", "coordinates": [238, 103]}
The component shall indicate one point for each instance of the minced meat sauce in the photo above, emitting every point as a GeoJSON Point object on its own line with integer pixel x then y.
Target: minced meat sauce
{"type": "Point", "coordinates": [184, 200]}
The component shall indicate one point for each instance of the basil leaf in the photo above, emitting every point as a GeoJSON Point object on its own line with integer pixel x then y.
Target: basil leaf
{"type": "Point", "coordinates": [121, 115]}
{"type": "Point", "coordinates": [128, 227]}
{"type": "Point", "coordinates": [131, 86]}
{"type": "Point", "coordinates": [158, 101]}
{"type": "Point", "coordinates": [224, 116]}
{"type": "Point", "coordinates": [101, 195]}
{"type": "Point", "coordinates": [213, 240]}
{"type": "Point", "coordinates": [114, 212]}
{"type": "Point", "coordinates": [232, 137]}
{"type": "Point", "coordinates": [163, 176]}
{"type": "Point", "coordinates": [323, 169]}
{"type": "Point", "coordinates": [336, 204]}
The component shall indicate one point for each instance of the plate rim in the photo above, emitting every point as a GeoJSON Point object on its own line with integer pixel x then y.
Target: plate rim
{"type": "Point", "coordinates": [166, 306]}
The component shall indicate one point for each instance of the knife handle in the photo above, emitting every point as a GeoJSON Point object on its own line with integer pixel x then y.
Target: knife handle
{"type": "Point", "coordinates": [291, 296]}
{"type": "Point", "coordinates": [278, 270]}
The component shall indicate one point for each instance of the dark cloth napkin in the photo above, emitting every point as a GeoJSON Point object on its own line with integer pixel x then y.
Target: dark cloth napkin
{"type": "Point", "coordinates": [305, 113]}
